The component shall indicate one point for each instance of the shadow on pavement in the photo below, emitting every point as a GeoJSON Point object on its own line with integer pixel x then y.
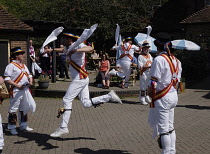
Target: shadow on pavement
{"type": "Point", "coordinates": [130, 102]}
{"type": "Point", "coordinates": [207, 96]}
{"type": "Point", "coordinates": [41, 139]}
{"type": "Point", "coordinates": [197, 107]}
{"type": "Point", "coordinates": [102, 151]}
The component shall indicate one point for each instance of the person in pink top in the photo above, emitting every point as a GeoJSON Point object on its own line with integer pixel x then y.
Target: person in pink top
{"type": "Point", "coordinates": [104, 67]}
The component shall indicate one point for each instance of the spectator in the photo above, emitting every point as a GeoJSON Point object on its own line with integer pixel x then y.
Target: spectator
{"type": "Point", "coordinates": [45, 60]}
{"type": "Point", "coordinates": [104, 67]}
{"type": "Point", "coordinates": [107, 55]}
{"type": "Point", "coordinates": [32, 52]}
{"type": "Point", "coordinates": [63, 65]}
{"type": "Point", "coordinates": [94, 57]}
{"type": "Point", "coordinates": [100, 53]}
{"type": "Point", "coordinates": [94, 54]}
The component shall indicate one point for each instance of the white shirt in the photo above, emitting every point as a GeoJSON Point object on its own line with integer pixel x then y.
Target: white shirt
{"type": "Point", "coordinates": [44, 55]}
{"type": "Point", "coordinates": [130, 52]}
{"type": "Point", "coordinates": [78, 58]}
{"type": "Point", "coordinates": [12, 72]}
{"type": "Point", "coordinates": [161, 71]}
{"type": "Point", "coordinates": [31, 51]}
{"type": "Point", "coordinates": [145, 61]}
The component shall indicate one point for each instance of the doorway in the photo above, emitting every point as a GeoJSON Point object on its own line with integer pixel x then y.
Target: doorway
{"type": "Point", "coordinates": [4, 56]}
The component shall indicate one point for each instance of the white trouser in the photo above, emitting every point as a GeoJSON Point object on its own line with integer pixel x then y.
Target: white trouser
{"type": "Point", "coordinates": [116, 73]}
{"type": "Point", "coordinates": [126, 68]}
{"type": "Point", "coordinates": [22, 100]}
{"type": "Point", "coordinates": [79, 87]}
{"type": "Point", "coordinates": [144, 79]}
{"type": "Point", "coordinates": [161, 120]}
{"type": "Point", "coordinates": [1, 134]}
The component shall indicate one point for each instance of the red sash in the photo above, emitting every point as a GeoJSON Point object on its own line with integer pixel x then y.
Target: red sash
{"type": "Point", "coordinates": [20, 76]}
{"type": "Point", "coordinates": [174, 70]}
{"type": "Point", "coordinates": [126, 49]}
{"type": "Point", "coordinates": [82, 72]}
{"type": "Point", "coordinates": [17, 80]}
{"type": "Point", "coordinates": [147, 64]}
{"type": "Point", "coordinates": [123, 55]}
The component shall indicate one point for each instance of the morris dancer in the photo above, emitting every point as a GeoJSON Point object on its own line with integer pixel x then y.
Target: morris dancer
{"type": "Point", "coordinates": [79, 84]}
{"type": "Point", "coordinates": [126, 56]}
{"type": "Point", "coordinates": [17, 75]}
{"type": "Point", "coordinates": [144, 65]}
{"type": "Point", "coordinates": [165, 75]}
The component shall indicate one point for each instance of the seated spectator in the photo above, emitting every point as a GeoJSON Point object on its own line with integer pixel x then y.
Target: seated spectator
{"type": "Point", "coordinates": [100, 53]}
{"type": "Point", "coordinates": [107, 55]}
{"type": "Point", "coordinates": [104, 67]}
{"type": "Point", "coordinates": [94, 54]}
{"type": "Point", "coordinates": [94, 61]}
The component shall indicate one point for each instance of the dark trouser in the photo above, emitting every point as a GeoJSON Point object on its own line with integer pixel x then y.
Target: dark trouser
{"type": "Point", "coordinates": [63, 69]}
{"type": "Point", "coordinates": [45, 65]}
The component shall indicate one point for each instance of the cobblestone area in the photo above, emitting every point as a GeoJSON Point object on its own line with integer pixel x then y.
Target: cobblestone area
{"type": "Point", "coordinates": [112, 128]}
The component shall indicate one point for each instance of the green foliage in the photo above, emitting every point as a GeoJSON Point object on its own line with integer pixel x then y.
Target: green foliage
{"type": "Point", "coordinates": [43, 77]}
{"type": "Point", "coordinates": [132, 16]}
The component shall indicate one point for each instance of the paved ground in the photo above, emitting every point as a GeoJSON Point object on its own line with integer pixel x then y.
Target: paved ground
{"type": "Point", "coordinates": [113, 128]}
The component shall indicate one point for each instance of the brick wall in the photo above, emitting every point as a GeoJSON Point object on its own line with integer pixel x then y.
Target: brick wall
{"type": "Point", "coordinates": [197, 31]}
{"type": "Point", "coordinates": [23, 45]}
{"type": "Point", "coordinates": [16, 40]}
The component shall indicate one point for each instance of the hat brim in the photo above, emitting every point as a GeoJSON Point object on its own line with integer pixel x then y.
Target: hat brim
{"type": "Point", "coordinates": [147, 46]}
{"type": "Point", "coordinates": [18, 52]}
{"type": "Point", "coordinates": [158, 45]}
{"type": "Point", "coordinates": [161, 46]}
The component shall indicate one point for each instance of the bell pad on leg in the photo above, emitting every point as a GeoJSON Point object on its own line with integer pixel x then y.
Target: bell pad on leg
{"type": "Point", "coordinates": [143, 93]}
{"type": "Point", "coordinates": [159, 140]}
{"type": "Point", "coordinates": [24, 118]}
{"type": "Point", "coordinates": [12, 118]}
{"type": "Point", "coordinates": [61, 111]}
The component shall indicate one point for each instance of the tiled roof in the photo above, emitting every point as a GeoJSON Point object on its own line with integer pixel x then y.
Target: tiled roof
{"type": "Point", "coordinates": [199, 17]}
{"type": "Point", "coordinates": [9, 22]}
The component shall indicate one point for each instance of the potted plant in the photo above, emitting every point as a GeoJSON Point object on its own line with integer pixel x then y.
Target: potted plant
{"type": "Point", "coordinates": [43, 81]}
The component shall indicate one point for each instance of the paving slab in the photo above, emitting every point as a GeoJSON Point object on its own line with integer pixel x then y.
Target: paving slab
{"type": "Point", "coordinates": [112, 128]}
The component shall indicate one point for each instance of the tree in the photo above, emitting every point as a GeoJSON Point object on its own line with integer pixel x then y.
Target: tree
{"type": "Point", "coordinates": [132, 16]}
